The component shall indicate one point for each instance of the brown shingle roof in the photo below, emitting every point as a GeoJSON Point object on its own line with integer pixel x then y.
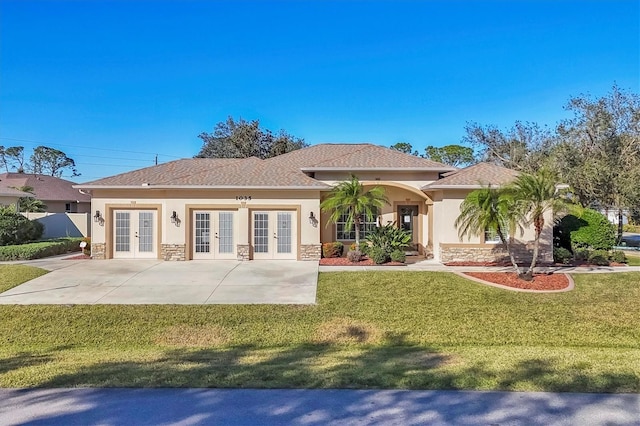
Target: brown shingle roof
{"type": "Point", "coordinates": [281, 171]}
{"type": "Point", "coordinates": [211, 172]}
{"type": "Point", "coordinates": [45, 188]}
{"type": "Point", "coordinates": [363, 156]}
{"type": "Point", "coordinates": [476, 176]}
{"type": "Point", "coordinates": [12, 192]}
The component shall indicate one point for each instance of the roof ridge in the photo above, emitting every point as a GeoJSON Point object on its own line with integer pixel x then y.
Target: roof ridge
{"type": "Point", "coordinates": [341, 156]}
{"type": "Point", "coordinates": [201, 171]}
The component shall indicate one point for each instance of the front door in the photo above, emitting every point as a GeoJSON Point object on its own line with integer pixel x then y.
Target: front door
{"type": "Point", "coordinates": [274, 235]}
{"type": "Point", "coordinates": [135, 234]}
{"type": "Point", "coordinates": [214, 235]}
{"type": "Point", "coordinates": [407, 217]}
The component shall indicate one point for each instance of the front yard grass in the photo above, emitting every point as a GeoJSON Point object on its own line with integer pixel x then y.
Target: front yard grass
{"type": "Point", "coordinates": [633, 259]}
{"type": "Point", "coordinates": [416, 330]}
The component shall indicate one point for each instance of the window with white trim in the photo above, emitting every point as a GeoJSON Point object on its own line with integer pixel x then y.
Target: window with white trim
{"type": "Point", "coordinates": [491, 236]}
{"type": "Point", "coordinates": [366, 227]}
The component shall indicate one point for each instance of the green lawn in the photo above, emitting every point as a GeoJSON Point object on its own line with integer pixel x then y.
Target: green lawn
{"type": "Point", "coordinates": [369, 330]}
{"type": "Point", "coordinates": [633, 259]}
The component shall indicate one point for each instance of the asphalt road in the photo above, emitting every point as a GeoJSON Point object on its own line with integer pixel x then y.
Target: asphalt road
{"type": "Point", "coordinates": [312, 407]}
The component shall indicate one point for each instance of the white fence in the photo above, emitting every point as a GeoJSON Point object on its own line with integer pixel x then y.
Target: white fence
{"type": "Point", "coordinates": [58, 225]}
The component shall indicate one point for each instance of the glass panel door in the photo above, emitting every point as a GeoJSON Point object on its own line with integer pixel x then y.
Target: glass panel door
{"type": "Point", "coordinates": [145, 232]}
{"type": "Point", "coordinates": [202, 232]}
{"type": "Point", "coordinates": [284, 232]}
{"type": "Point", "coordinates": [134, 233]}
{"type": "Point", "coordinates": [260, 233]}
{"type": "Point", "coordinates": [122, 233]}
{"type": "Point", "coordinates": [225, 233]}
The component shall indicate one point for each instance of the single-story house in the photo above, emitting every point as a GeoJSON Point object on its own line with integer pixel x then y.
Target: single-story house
{"type": "Point", "coordinates": [270, 209]}
{"type": "Point", "coordinates": [58, 194]}
{"type": "Point", "coordinates": [9, 196]}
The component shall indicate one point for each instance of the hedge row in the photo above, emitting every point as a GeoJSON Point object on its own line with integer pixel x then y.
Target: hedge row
{"type": "Point", "coordinates": [40, 249]}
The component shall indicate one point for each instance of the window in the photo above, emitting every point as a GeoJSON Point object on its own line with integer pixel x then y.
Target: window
{"type": "Point", "coordinates": [342, 233]}
{"type": "Point", "coordinates": [67, 207]}
{"type": "Point", "coordinates": [491, 236]}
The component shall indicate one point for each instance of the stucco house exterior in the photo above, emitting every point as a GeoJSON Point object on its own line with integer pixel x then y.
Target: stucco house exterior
{"type": "Point", "coordinates": [9, 196]}
{"type": "Point", "coordinates": [270, 209]}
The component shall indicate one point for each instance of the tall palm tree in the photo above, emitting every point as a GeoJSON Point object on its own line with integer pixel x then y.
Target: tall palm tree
{"type": "Point", "coordinates": [350, 198]}
{"type": "Point", "coordinates": [537, 196]}
{"type": "Point", "coordinates": [491, 209]}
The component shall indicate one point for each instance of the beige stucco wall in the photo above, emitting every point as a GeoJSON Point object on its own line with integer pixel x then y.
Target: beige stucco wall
{"type": "Point", "coordinates": [414, 179]}
{"type": "Point", "coordinates": [8, 201]}
{"type": "Point", "coordinates": [185, 200]}
{"type": "Point", "coordinates": [59, 206]}
{"type": "Point", "coordinates": [446, 210]}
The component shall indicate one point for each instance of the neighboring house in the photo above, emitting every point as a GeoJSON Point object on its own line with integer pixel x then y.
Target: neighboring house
{"type": "Point", "coordinates": [58, 194]}
{"type": "Point", "coordinates": [270, 209]}
{"type": "Point", "coordinates": [10, 196]}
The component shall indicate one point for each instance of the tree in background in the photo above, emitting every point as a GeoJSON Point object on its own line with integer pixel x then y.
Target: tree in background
{"type": "Point", "coordinates": [599, 151]}
{"type": "Point", "coordinates": [243, 139]}
{"type": "Point", "coordinates": [349, 198]}
{"type": "Point", "coordinates": [524, 147]}
{"type": "Point", "coordinates": [453, 155]}
{"type": "Point", "coordinates": [13, 156]}
{"type": "Point", "coordinates": [52, 162]}
{"type": "Point", "coordinates": [404, 147]}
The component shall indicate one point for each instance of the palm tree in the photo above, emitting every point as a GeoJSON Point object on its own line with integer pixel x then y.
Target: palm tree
{"type": "Point", "coordinates": [491, 209]}
{"type": "Point", "coordinates": [349, 198]}
{"type": "Point", "coordinates": [30, 204]}
{"type": "Point", "coordinates": [538, 196]}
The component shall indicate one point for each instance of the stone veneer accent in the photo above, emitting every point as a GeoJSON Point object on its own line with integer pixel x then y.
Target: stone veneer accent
{"type": "Point", "coordinates": [98, 251]}
{"type": "Point", "coordinates": [173, 252]}
{"type": "Point", "coordinates": [522, 253]}
{"type": "Point", "coordinates": [310, 251]}
{"type": "Point", "coordinates": [243, 251]}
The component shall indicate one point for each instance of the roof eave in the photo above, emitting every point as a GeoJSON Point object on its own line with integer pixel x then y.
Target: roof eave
{"type": "Point", "coordinates": [399, 169]}
{"type": "Point", "coordinates": [475, 186]}
{"type": "Point", "coordinates": [151, 186]}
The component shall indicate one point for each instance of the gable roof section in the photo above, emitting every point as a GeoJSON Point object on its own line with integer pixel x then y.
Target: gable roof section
{"type": "Point", "coordinates": [6, 191]}
{"type": "Point", "coordinates": [210, 173]}
{"type": "Point", "coordinates": [363, 156]}
{"type": "Point", "coordinates": [476, 176]}
{"type": "Point", "coordinates": [45, 188]}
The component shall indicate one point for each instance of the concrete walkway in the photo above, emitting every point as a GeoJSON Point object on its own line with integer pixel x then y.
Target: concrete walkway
{"type": "Point", "coordinates": [312, 407]}
{"type": "Point", "coordinates": [158, 282]}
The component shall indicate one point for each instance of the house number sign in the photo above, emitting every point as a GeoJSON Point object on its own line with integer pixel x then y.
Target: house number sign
{"type": "Point", "coordinates": [243, 197]}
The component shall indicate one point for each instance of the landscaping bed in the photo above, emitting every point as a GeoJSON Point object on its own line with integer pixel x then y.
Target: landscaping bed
{"type": "Point", "coordinates": [343, 261]}
{"type": "Point", "coordinates": [510, 279]}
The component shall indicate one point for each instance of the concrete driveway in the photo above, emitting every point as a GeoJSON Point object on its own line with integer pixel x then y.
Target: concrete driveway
{"type": "Point", "coordinates": [158, 282]}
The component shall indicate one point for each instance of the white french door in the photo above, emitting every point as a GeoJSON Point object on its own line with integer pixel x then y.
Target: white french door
{"type": "Point", "coordinates": [135, 234]}
{"type": "Point", "coordinates": [214, 234]}
{"type": "Point", "coordinates": [274, 235]}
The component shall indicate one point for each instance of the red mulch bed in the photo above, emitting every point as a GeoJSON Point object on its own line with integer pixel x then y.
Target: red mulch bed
{"type": "Point", "coordinates": [510, 279]}
{"type": "Point", "coordinates": [78, 257]}
{"type": "Point", "coordinates": [343, 261]}
{"type": "Point", "coordinates": [526, 265]}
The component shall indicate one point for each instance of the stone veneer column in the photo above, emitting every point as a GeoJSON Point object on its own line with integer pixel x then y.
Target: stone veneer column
{"type": "Point", "coordinates": [310, 251]}
{"type": "Point", "coordinates": [243, 251]}
{"type": "Point", "coordinates": [98, 251]}
{"type": "Point", "coordinates": [173, 252]}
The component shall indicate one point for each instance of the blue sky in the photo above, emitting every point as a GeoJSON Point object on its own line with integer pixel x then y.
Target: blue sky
{"type": "Point", "coordinates": [112, 83]}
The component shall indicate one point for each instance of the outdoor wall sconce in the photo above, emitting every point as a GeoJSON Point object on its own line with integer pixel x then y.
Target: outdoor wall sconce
{"type": "Point", "coordinates": [97, 216]}
{"type": "Point", "coordinates": [174, 217]}
{"type": "Point", "coordinates": [312, 220]}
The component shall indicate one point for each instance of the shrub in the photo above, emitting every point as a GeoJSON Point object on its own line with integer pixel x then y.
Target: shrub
{"type": "Point", "coordinates": [562, 255]}
{"type": "Point", "coordinates": [599, 257]}
{"type": "Point", "coordinates": [398, 256]}
{"type": "Point", "coordinates": [39, 249]}
{"type": "Point", "coordinates": [389, 238]}
{"type": "Point", "coordinates": [17, 229]}
{"type": "Point", "coordinates": [591, 230]}
{"type": "Point", "coordinates": [364, 248]}
{"type": "Point", "coordinates": [618, 256]}
{"type": "Point", "coordinates": [631, 228]}
{"type": "Point", "coordinates": [581, 255]}
{"type": "Point", "coordinates": [333, 249]}
{"type": "Point", "coordinates": [354, 255]}
{"type": "Point", "coordinates": [378, 255]}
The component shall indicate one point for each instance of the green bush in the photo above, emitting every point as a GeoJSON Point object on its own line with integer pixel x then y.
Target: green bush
{"type": "Point", "coordinates": [354, 255]}
{"type": "Point", "coordinates": [591, 230]}
{"type": "Point", "coordinates": [562, 255]}
{"type": "Point", "coordinates": [40, 249]}
{"type": "Point", "coordinates": [398, 256]}
{"type": "Point", "coordinates": [618, 256]}
{"type": "Point", "coordinates": [389, 238]}
{"type": "Point", "coordinates": [631, 228]}
{"type": "Point", "coordinates": [599, 257]}
{"type": "Point", "coordinates": [17, 229]}
{"type": "Point", "coordinates": [333, 249]}
{"type": "Point", "coordinates": [378, 255]}
{"type": "Point", "coordinates": [364, 248]}
{"type": "Point", "coordinates": [581, 255]}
